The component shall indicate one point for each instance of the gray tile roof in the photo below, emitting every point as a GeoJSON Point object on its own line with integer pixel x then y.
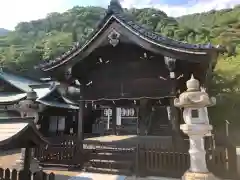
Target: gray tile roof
{"type": "Point", "coordinates": [18, 81]}
{"type": "Point", "coordinates": [43, 90]}
{"type": "Point", "coordinates": [115, 11]}
{"type": "Point", "coordinates": [58, 104]}
{"type": "Point", "coordinates": [6, 97]}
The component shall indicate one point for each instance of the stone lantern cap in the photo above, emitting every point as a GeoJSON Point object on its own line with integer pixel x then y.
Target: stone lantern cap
{"type": "Point", "coordinates": [193, 97]}
{"type": "Point", "coordinates": [31, 95]}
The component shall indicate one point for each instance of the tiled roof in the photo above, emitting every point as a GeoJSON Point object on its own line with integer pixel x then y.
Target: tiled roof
{"type": "Point", "coordinates": [18, 81]}
{"type": "Point", "coordinates": [43, 90]}
{"type": "Point", "coordinates": [58, 104]}
{"type": "Point", "coordinates": [6, 97]}
{"type": "Point", "coordinates": [9, 129]}
{"type": "Point", "coordinates": [115, 11]}
{"type": "Point", "coordinates": [19, 133]}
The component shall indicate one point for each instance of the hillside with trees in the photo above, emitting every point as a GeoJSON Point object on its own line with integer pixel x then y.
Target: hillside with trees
{"type": "Point", "coordinates": [44, 39]}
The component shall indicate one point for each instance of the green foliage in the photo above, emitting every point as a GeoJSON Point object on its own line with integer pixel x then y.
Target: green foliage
{"type": "Point", "coordinates": [49, 37]}
{"type": "Point", "coordinates": [34, 41]}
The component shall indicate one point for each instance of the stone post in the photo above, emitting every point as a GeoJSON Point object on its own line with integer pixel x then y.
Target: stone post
{"type": "Point", "coordinates": [194, 103]}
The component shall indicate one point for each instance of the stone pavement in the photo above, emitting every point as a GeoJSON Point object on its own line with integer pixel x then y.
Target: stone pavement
{"type": "Point", "coordinates": [96, 176]}
{"type": "Point", "coordinates": [150, 178]}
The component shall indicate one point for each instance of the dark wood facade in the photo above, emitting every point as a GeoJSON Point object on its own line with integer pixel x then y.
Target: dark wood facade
{"type": "Point", "coordinates": [124, 65]}
{"type": "Point", "coordinates": [57, 122]}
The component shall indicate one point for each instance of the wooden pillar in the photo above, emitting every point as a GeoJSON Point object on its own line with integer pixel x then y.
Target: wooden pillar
{"type": "Point", "coordinates": [75, 122]}
{"type": "Point", "coordinates": [80, 131]}
{"type": "Point", "coordinates": [174, 116]}
{"type": "Point", "coordinates": [144, 110]}
{"type": "Point", "coordinates": [114, 120]}
{"type": "Point", "coordinates": [138, 121]}
{"type": "Point", "coordinates": [79, 157]}
{"type": "Point", "coordinates": [171, 63]}
{"type": "Point", "coordinates": [209, 76]}
{"type": "Point", "coordinates": [27, 162]}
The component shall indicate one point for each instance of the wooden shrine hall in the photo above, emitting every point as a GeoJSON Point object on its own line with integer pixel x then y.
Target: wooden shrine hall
{"type": "Point", "coordinates": [54, 113]}
{"type": "Point", "coordinates": [128, 76]}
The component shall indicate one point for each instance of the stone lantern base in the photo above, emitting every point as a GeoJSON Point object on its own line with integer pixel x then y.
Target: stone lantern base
{"type": "Point", "coordinates": [34, 164]}
{"type": "Point", "coordinates": [198, 176]}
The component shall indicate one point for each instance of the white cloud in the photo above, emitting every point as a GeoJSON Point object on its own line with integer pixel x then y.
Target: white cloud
{"type": "Point", "coordinates": [15, 11]}
{"type": "Point", "coordinates": [194, 6]}
{"type": "Point", "coordinates": [135, 3]}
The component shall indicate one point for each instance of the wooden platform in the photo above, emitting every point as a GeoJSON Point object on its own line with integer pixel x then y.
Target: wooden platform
{"type": "Point", "coordinates": [111, 138]}
{"type": "Point", "coordinates": [132, 139]}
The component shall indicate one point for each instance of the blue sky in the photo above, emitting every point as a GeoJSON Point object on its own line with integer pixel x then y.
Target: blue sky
{"type": "Point", "coordinates": [15, 11]}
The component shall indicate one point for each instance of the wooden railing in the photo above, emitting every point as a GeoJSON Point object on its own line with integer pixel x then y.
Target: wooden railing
{"type": "Point", "coordinates": [149, 159]}
{"type": "Point", "coordinates": [161, 162]}
{"type": "Point", "coordinates": [61, 151]}
{"type": "Point", "coordinates": [221, 161]}
{"type": "Point", "coordinates": [8, 174]}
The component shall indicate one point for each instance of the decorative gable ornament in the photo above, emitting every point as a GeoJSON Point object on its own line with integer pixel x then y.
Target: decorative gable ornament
{"type": "Point", "coordinates": [113, 37]}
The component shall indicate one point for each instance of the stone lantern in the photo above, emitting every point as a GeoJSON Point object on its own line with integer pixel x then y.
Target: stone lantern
{"type": "Point", "coordinates": [194, 103]}
{"type": "Point", "coordinates": [29, 108]}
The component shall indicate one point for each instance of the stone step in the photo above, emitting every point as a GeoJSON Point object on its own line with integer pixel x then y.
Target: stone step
{"type": "Point", "coordinates": [112, 150]}
{"type": "Point", "coordinates": [111, 156]}
{"type": "Point", "coordinates": [111, 164]}
{"type": "Point", "coordinates": [52, 166]}
{"type": "Point", "coordinates": [108, 171]}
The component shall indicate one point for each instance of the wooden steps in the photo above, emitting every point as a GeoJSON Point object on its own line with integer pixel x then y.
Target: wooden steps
{"type": "Point", "coordinates": [110, 160]}
{"type": "Point", "coordinates": [108, 171]}
{"type": "Point", "coordinates": [110, 164]}
{"type": "Point", "coordinates": [59, 167]}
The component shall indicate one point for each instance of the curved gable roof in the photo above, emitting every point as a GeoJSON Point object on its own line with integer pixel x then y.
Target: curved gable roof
{"type": "Point", "coordinates": [115, 12]}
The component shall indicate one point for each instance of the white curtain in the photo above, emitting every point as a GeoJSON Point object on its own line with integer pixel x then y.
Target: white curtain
{"type": "Point", "coordinates": [53, 124]}
{"type": "Point", "coordinates": [57, 123]}
{"type": "Point", "coordinates": [61, 123]}
{"type": "Point", "coordinates": [119, 118]}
